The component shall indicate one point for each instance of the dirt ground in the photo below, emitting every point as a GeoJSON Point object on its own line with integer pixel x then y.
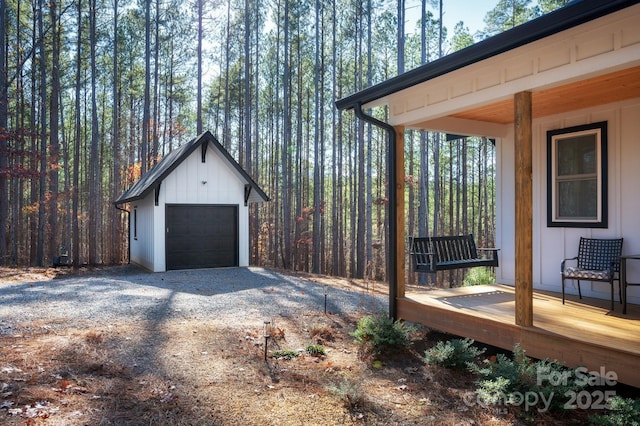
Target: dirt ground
{"type": "Point", "coordinates": [192, 372]}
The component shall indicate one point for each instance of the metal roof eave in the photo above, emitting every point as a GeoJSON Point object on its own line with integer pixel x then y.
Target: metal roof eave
{"type": "Point", "coordinates": [572, 15]}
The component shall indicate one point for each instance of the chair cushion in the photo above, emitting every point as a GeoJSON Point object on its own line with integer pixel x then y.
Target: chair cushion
{"type": "Point", "coordinates": [585, 274]}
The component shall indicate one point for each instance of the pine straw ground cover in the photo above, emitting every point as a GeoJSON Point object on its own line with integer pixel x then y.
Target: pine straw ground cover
{"type": "Point", "coordinates": [193, 372]}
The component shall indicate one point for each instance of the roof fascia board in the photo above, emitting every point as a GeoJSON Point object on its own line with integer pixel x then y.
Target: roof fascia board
{"type": "Point", "coordinates": [559, 20]}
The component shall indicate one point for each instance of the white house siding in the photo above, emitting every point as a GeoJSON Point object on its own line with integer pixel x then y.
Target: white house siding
{"type": "Point", "coordinates": [185, 186]}
{"type": "Point", "coordinates": [629, 190]}
{"type": "Point", "coordinates": [142, 246]}
{"type": "Point", "coordinates": [551, 245]}
{"type": "Point", "coordinates": [505, 210]}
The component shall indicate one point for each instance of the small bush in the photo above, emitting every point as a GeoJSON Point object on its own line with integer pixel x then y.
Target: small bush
{"type": "Point", "coordinates": [478, 276]}
{"type": "Point", "coordinates": [454, 353]}
{"type": "Point", "coordinates": [623, 412]}
{"type": "Point", "coordinates": [494, 391]}
{"type": "Point", "coordinates": [349, 392]}
{"type": "Point", "coordinates": [380, 333]}
{"type": "Point", "coordinates": [285, 354]}
{"type": "Point", "coordinates": [505, 379]}
{"type": "Point", "coordinates": [519, 371]}
{"type": "Point", "coordinates": [315, 350]}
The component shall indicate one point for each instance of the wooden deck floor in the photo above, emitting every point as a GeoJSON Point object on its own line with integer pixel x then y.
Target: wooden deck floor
{"type": "Point", "coordinates": [579, 333]}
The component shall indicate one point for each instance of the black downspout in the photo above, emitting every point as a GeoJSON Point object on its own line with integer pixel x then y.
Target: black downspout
{"type": "Point", "coordinates": [392, 247]}
{"type": "Point", "coordinates": [128, 231]}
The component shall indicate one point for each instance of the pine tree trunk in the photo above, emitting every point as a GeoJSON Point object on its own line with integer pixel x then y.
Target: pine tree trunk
{"type": "Point", "coordinates": [156, 68]}
{"type": "Point", "coordinates": [40, 251]}
{"type": "Point", "coordinates": [54, 146]}
{"type": "Point", "coordinates": [76, 148]}
{"type": "Point", "coordinates": [4, 99]}
{"type": "Point", "coordinates": [93, 156]}
{"type": "Point", "coordinates": [116, 221]}
{"type": "Point", "coordinates": [286, 143]}
{"type": "Point", "coordinates": [317, 195]}
{"type": "Point", "coordinates": [146, 114]}
{"type": "Point", "coordinates": [199, 128]}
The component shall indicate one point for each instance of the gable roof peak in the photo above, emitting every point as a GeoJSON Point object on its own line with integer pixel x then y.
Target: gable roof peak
{"type": "Point", "coordinates": [156, 174]}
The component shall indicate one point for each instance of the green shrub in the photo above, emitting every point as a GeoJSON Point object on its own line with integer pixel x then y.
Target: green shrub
{"type": "Point", "coordinates": [285, 354]}
{"type": "Point", "coordinates": [623, 412]}
{"type": "Point", "coordinates": [380, 333]}
{"type": "Point", "coordinates": [506, 379]}
{"type": "Point", "coordinates": [315, 350]}
{"type": "Point", "coordinates": [453, 353]}
{"type": "Point", "coordinates": [349, 392]}
{"type": "Point", "coordinates": [519, 371]}
{"type": "Point", "coordinates": [478, 276]}
{"type": "Point", "coordinates": [494, 391]}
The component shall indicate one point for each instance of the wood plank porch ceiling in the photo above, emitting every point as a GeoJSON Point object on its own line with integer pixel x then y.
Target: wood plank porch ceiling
{"type": "Point", "coordinates": [601, 90]}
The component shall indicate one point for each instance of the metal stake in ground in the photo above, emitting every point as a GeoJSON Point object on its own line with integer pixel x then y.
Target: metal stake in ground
{"type": "Point", "coordinates": [325, 298]}
{"type": "Point", "coordinates": [266, 337]}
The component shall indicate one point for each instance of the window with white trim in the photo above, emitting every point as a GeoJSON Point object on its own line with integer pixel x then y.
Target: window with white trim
{"type": "Point", "coordinates": [576, 176]}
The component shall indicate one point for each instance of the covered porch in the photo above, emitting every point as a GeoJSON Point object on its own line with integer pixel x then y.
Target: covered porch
{"type": "Point", "coordinates": [581, 333]}
{"type": "Point", "coordinates": [576, 66]}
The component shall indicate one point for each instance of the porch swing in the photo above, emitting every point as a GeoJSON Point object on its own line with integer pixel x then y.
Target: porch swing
{"type": "Point", "coordinates": [432, 254]}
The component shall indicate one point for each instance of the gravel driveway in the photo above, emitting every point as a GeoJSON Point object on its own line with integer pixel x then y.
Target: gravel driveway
{"type": "Point", "coordinates": [250, 295]}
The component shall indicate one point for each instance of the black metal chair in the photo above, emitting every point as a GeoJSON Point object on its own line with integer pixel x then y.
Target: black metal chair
{"type": "Point", "coordinates": [597, 260]}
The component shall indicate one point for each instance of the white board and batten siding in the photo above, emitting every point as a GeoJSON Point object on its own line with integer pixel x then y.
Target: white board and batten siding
{"type": "Point", "coordinates": [214, 182]}
{"type": "Point", "coordinates": [551, 245]}
{"type": "Point", "coordinates": [141, 239]}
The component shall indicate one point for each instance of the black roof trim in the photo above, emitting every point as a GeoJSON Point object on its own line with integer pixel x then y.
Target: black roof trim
{"type": "Point", "coordinates": [569, 16]}
{"type": "Point", "coordinates": [155, 175]}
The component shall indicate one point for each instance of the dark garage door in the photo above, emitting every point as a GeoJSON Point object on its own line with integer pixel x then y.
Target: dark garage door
{"type": "Point", "coordinates": [200, 236]}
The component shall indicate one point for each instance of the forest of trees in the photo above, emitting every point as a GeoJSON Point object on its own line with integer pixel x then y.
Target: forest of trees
{"type": "Point", "coordinates": [94, 92]}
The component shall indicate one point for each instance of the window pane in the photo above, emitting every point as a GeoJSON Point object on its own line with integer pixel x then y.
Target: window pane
{"type": "Point", "coordinates": [577, 176]}
{"type": "Point", "coordinates": [578, 199]}
{"type": "Point", "coordinates": [577, 155]}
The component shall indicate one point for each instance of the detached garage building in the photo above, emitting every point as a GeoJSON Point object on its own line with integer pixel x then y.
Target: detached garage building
{"type": "Point", "coordinates": [191, 209]}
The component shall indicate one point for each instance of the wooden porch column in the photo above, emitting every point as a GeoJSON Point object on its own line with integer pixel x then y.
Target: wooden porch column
{"type": "Point", "coordinates": [524, 208]}
{"type": "Point", "coordinates": [398, 180]}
